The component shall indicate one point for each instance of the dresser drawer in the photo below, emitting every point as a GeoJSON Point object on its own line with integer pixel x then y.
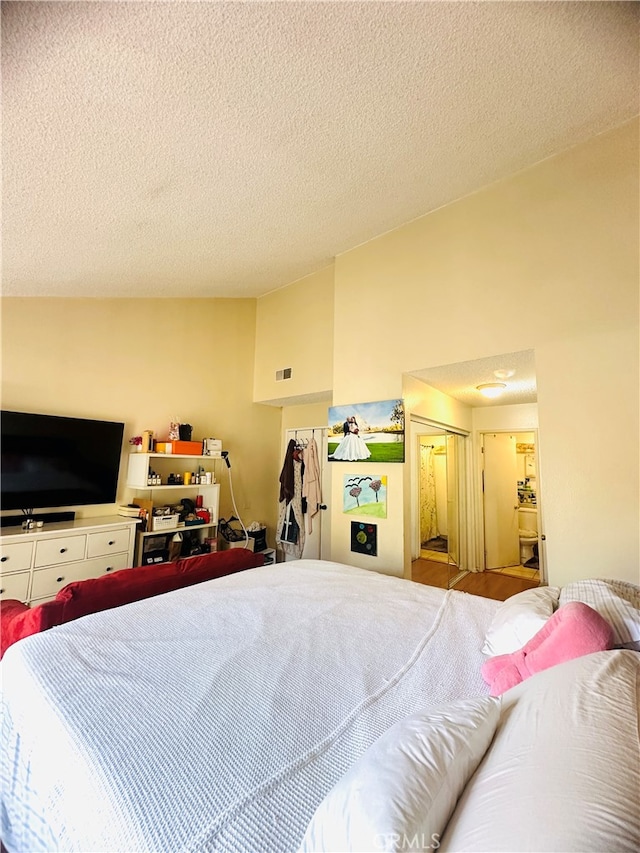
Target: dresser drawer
{"type": "Point", "coordinates": [107, 565]}
{"type": "Point", "coordinates": [14, 586]}
{"type": "Point", "coordinates": [47, 582]}
{"type": "Point", "coordinates": [16, 556]}
{"type": "Point", "coordinates": [52, 552]}
{"type": "Point", "coordinates": [109, 542]}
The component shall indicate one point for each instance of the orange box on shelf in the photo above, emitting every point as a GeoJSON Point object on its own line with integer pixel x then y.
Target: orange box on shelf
{"type": "Point", "coordinates": [189, 448]}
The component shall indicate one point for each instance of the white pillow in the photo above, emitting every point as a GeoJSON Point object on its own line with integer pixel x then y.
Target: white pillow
{"type": "Point", "coordinates": [518, 619]}
{"type": "Point", "coordinates": [616, 601]}
{"type": "Point", "coordinates": [407, 783]}
{"type": "Point", "coordinates": [563, 771]}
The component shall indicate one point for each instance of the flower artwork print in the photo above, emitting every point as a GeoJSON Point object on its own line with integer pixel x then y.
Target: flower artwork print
{"type": "Point", "coordinates": [365, 495]}
{"type": "Point", "coordinates": [366, 432]}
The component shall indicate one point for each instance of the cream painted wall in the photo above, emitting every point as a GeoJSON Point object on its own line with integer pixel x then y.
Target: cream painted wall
{"type": "Point", "coordinates": [423, 401]}
{"type": "Point", "coordinates": [546, 260]}
{"type": "Point", "coordinates": [294, 328]}
{"type": "Point", "coordinates": [520, 417]}
{"type": "Point", "coordinates": [142, 361]}
{"type": "Point", "coordinates": [309, 415]}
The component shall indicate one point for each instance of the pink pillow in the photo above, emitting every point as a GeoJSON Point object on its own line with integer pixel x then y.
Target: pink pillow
{"type": "Point", "coordinates": [574, 630]}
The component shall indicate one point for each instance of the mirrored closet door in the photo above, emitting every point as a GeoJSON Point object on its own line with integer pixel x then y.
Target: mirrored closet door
{"type": "Point", "coordinates": [439, 503]}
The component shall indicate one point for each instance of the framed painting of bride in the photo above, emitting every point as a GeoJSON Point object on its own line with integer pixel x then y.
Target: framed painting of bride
{"type": "Point", "coordinates": [366, 432]}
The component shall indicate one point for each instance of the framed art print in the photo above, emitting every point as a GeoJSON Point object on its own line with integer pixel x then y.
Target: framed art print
{"type": "Point", "coordinates": [365, 495]}
{"type": "Point", "coordinates": [366, 432]}
{"type": "Point", "coordinates": [364, 538]}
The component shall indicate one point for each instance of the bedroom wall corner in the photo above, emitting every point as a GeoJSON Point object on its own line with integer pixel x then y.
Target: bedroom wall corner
{"type": "Point", "coordinates": [145, 361]}
{"type": "Point", "coordinates": [545, 260]}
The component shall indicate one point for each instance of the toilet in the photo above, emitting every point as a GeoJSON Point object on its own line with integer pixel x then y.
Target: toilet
{"type": "Point", "coordinates": [527, 531]}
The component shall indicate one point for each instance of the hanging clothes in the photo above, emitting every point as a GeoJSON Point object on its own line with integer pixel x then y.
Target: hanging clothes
{"type": "Point", "coordinates": [312, 486]}
{"type": "Point", "coordinates": [286, 475]}
{"type": "Point", "coordinates": [290, 515]}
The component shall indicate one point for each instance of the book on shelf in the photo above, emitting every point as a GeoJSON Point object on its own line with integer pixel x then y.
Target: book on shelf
{"type": "Point", "coordinates": [129, 511]}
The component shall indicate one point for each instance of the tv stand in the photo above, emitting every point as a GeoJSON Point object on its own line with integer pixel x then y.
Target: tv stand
{"type": "Point", "coordinates": [36, 564]}
{"type": "Point", "coordinates": [16, 520]}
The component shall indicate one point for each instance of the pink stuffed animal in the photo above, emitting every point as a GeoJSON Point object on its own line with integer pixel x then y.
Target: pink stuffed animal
{"type": "Point", "coordinates": [574, 630]}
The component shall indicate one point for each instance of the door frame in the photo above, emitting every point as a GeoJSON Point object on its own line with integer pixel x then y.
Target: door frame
{"type": "Point", "coordinates": [325, 515]}
{"type": "Point", "coordinates": [423, 426]}
{"type": "Point", "coordinates": [479, 490]}
{"type": "Point", "coordinates": [500, 515]}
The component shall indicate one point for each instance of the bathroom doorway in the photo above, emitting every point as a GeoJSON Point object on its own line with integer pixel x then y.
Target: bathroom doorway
{"type": "Point", "coordinates": [510, 504]}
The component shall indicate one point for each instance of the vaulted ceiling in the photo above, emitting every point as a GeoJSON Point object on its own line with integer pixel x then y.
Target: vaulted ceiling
{"type": "Point", "coordinates": [229, 148]}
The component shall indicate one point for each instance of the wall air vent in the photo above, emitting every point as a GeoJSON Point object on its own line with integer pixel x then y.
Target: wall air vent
{"type": "Point", "coordinates": [283, 374]}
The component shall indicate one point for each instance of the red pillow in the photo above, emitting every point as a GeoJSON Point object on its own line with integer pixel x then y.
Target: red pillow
{"type": "Point", "coordinates": [20, 621]}
{"type": "Point", "coordinates": [90, 596]}
{"type": "Point", "coordinates": [221, 563]}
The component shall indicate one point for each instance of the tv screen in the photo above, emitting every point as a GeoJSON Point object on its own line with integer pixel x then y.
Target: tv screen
{"type": "Point", "coordinates": [50, 461]}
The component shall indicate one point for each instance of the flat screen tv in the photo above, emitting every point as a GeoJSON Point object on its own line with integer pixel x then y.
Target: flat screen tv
{"type": "Point", "coordinates": [51, 461]}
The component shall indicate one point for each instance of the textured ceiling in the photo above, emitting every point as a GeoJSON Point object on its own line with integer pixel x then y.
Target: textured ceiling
{"type": "Point", "coordinates": [229, 148]}
{"type": "Point", "coordinates": [460, 380]}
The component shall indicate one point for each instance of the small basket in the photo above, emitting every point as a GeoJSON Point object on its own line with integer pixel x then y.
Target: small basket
{"type": "Point", "coordinates": [165, 522]}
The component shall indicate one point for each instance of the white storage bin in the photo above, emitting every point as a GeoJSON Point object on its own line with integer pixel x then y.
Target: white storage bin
{"type": "Point", "coordinates": [165, 522]}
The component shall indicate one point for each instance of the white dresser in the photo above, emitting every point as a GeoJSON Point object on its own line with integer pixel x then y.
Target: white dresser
{"type": "Point", "coordinates": [36, 564]}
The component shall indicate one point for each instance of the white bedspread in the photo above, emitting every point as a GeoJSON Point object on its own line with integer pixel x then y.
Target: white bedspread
{"type": "Point", "coordinates": [217, 717]}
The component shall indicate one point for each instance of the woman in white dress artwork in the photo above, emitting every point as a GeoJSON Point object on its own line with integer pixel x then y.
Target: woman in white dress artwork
{"type": "Point", "coordinates": [352, 448]}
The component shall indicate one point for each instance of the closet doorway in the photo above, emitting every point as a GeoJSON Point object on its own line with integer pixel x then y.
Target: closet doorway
{"type": "Point", "coordinates": [317, 542]}
{"type": "Point", "coordinates": [439, 488]}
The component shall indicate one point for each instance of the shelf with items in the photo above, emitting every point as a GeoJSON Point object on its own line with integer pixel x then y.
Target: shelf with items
{"type": "Point", "coordinates": [207, 496]}
{"type": "Point", "coordinates": [161, 546]}
{"type": "Point", "coordinates": [165, 465]}
{"type": "Point", "coordinates": [179, 528]}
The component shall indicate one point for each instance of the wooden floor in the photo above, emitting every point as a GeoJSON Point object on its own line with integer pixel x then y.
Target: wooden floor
{"type": "Point", "coordinates": [487, 584]}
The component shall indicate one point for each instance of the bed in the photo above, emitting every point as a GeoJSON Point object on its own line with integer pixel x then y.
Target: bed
{"type": "Point", "coordinates": [220, 716]}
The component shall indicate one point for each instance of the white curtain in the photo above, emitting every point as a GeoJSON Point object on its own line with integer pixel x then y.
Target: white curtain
{"type": "Point", "coordinates": [428, 515]}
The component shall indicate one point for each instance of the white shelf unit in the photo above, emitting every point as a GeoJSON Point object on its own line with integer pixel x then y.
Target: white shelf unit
{"type": "Point", "coordinates": [164, 464]}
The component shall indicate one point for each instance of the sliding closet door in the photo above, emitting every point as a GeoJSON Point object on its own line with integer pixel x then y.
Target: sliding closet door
{"type": "Point", "coordinates": [453, 504]}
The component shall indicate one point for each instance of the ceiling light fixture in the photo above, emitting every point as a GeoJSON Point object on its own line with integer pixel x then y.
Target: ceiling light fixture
{"type": "Point", "coordinates": [491, 389]}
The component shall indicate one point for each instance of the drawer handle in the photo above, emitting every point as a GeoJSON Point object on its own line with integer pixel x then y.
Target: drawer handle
{"type": "Point", "coordinates": [111, 542]}
{"type": "Point", "coordinates": [59, 580]}
{"type": "Point", "coordinates": [62, 550]}
{"type": "Point", "coordinates": [3, 559]}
